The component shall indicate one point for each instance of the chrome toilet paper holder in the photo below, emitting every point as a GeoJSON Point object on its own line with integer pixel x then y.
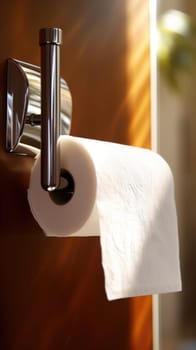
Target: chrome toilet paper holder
{"type": "Point", "coordinates": [39, 107]}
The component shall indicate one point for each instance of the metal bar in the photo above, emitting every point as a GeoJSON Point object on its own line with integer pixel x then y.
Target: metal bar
{"type": "Point", "coordinates": [50, 41]}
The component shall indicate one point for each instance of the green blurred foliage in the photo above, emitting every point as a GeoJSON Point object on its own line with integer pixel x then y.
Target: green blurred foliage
{"type": "Point", "coordinates": [176, 49]}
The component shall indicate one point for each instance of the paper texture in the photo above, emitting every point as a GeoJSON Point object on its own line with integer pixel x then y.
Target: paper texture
{"type": "Point", "coordinates": [133, 212]}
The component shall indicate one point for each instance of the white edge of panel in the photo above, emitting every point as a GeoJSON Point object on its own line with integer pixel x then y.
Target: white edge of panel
{"type": "Point", "coordinates": [154, 138]}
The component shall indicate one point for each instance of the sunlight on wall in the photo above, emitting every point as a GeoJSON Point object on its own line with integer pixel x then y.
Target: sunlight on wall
{"type": "Point", "coordinates": [138, 72]}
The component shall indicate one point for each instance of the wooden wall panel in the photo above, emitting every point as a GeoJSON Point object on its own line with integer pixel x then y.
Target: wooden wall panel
{"type": "Point", "coordinates": [52, 290]}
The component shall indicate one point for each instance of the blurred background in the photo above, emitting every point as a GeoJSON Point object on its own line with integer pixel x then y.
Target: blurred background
{"type": "Point", "coordinates": [176, 141]}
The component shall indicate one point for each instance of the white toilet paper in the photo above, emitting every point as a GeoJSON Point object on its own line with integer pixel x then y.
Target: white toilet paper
{"type": "Point", "coordinates": [55, 219]}
{"type": "Point", "coordinates": [134, 213]}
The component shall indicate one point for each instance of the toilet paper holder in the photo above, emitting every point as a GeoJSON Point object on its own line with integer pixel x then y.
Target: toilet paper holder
{"type": "Point", "coordinates": [39, 107]}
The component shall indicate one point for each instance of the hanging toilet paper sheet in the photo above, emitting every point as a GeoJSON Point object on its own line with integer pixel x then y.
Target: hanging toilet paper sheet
{"type": "Point", "coordinates": [125, 195]}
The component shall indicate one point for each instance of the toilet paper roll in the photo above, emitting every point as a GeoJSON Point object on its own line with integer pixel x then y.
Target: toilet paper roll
{"type": "Point", "coordinates": [133, 211]}
{"type": "Point", "coordinates": [64, 212]}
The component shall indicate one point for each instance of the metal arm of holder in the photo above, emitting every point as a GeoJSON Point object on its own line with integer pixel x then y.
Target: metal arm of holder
{"type": "Point", "coordinates": [50, 41]}
{"type": "Point", "coordinates": [33, 100]}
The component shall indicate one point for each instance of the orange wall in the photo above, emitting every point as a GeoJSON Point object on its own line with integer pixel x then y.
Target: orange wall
{"type": "Point", "coordinates": [52, 290]}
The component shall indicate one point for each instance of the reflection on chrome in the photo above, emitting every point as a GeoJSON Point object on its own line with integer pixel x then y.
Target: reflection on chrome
{"type": "Point", "coordinates": [24, 106]}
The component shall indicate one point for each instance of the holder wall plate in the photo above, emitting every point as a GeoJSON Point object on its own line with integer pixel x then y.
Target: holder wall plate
{"type": "Point", "coordinates": [23, 116]}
